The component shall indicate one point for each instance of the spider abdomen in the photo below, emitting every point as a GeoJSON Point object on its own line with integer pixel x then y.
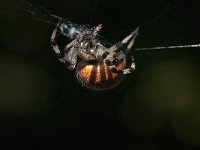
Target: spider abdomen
{"type": "Point", "coordinates": [97, 75]}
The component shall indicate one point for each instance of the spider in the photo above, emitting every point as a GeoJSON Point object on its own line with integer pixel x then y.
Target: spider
{"type": "Point", "coordinates": [99, 67]}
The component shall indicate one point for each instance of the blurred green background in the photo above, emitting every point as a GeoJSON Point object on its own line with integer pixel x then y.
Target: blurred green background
{"type": "Point", "coordinates": [43, 106]}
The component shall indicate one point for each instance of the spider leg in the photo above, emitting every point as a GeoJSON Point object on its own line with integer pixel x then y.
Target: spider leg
{"type": "Point", "coordinates": [131, 68]}
{"type": "Point", "coordinates": [108, 55]}
{"type": "Point", "coordinates": [118, 45]}
{"type": "Point", "coordinates": [128, 70]}
{"type": "Point", "coordinates": [55, 45]}
{"type": "Point", "coordinates": [71, 57]}
{"type": "Point", "coordinates": [94, 34]}
{"type": "Point", "coordinates": [97, 29]}
{"type": "Point", "coordinates": [56, 49]}
{"type": "Point", "coordinates": [113, 56]}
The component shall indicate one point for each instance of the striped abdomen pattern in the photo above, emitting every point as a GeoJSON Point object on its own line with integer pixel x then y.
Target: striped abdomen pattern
{"type": "Point", "coordinates": [97, 75]}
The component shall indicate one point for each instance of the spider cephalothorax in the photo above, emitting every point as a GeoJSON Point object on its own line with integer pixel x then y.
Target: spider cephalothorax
{"type": "Point", "coordinates": [100, 67]}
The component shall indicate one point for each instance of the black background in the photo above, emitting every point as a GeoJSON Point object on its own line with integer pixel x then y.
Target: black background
{"type": "Point", "coordinates": [42, 105]}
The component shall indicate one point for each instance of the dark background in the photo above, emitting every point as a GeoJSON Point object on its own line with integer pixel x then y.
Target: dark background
{"type": "Point", "coordinates": [42, 105]}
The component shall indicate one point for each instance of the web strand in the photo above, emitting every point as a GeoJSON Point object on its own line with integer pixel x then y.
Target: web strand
{"type": "Point", "coordinates": [41, 13]}
{"type": "Point", "coordinates": [169, 47]}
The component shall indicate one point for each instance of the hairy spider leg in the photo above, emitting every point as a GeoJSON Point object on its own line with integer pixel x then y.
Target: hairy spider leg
{"type": "Point", "coordinates": [108, 54]}
{"type": "Point", "coordinates": [118, 45]}
{"type": "Point", "coordinates": [57, 50]}
{"type": "Point", "coordinates": [95, 32]}
{"type": "Point", "coordinates": [113, 58]}
{"type": "Point", "coordinates": [55, 45]}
